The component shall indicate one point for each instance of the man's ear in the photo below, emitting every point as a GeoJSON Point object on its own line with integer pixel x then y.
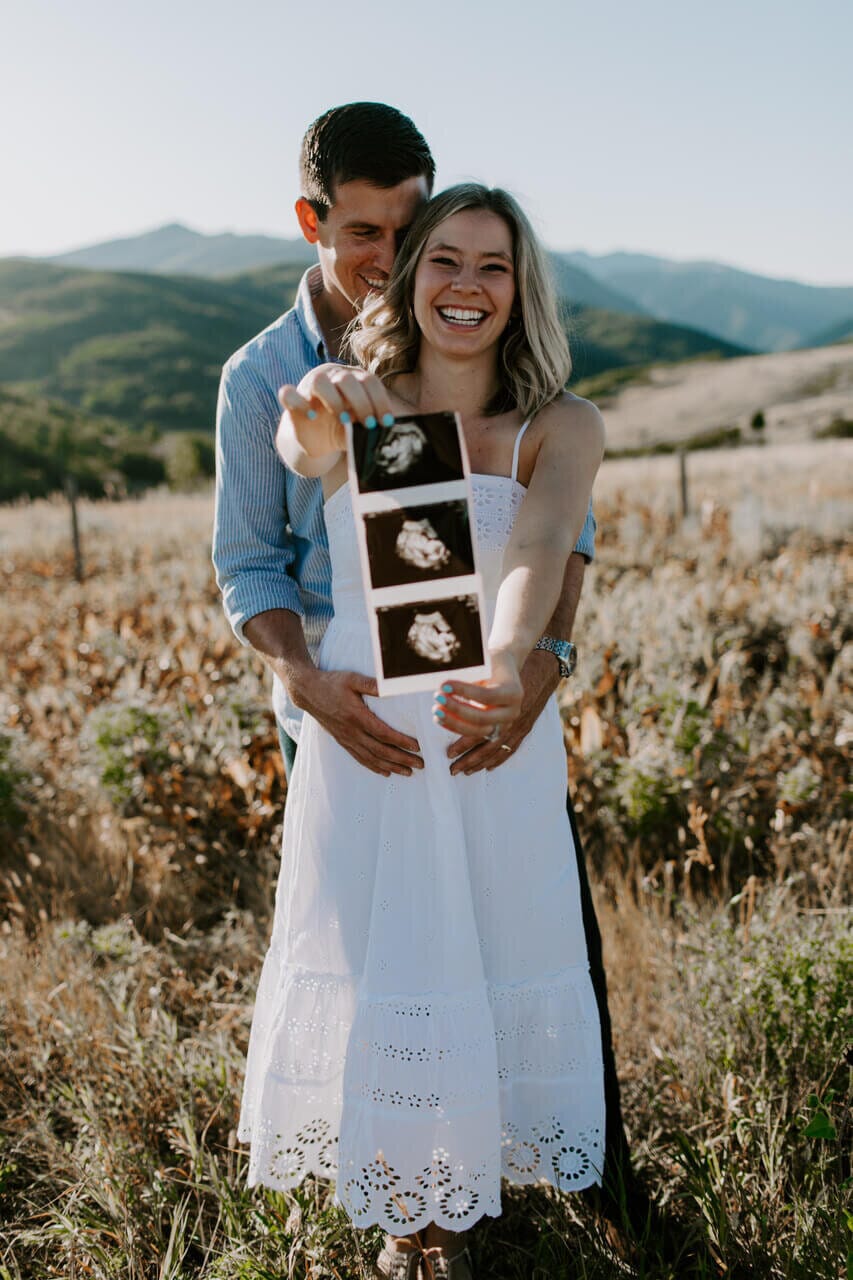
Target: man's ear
{"type": "Point", "coordinates": [308, 220]}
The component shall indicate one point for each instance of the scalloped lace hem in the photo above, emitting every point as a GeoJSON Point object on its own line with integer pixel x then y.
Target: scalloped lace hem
{"type": "Point", "coordinates": [444, 1192]}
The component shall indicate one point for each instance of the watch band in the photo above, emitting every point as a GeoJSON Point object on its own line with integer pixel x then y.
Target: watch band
{"type": "Point", "coordinates": [563, 650]}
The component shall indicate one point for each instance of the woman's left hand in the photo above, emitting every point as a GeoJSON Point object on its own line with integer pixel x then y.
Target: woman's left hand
{"type": "Point", "coordinates": [483, 709]}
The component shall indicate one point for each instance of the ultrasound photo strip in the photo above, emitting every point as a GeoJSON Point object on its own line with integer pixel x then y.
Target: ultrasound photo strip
{"type": "Point", "coordinates": [411, 495]}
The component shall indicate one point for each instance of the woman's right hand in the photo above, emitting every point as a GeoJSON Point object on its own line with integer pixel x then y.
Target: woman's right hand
{"type": "Point", "coordinates": [327, 398]}
{"type": "Point", "coordinates": [486, 708]}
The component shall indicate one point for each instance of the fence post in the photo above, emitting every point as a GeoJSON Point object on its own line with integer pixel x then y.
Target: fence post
{"type": "Point", "coordinates": [682, 471]}
{"type": "Point", "coordinates": [71, 495]}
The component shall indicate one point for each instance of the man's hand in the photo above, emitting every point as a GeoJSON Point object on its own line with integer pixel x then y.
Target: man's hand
{"type": "Point", "coordinates": [540, 676]}
{"type": "Point", "coordinates": [336, 700]}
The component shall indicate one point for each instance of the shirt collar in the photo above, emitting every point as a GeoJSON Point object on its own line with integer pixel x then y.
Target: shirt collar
{"type": "Point", "coordinates": [309, 286]}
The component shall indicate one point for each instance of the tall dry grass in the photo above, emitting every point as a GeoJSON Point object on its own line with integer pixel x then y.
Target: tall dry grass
{"type": "Point", "coordinates": [141, 797]}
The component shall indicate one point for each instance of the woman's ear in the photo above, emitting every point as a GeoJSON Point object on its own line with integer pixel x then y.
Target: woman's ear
{"type": "Point", "coordinates": [309, 223]}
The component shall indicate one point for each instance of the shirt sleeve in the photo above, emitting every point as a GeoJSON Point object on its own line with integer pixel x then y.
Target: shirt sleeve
{"type": "Point", "coordinates": [586, 542]}
{"type": "Point", "coordinates": [252, 549]}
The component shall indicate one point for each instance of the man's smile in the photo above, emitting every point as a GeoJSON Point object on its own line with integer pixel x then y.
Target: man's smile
{"type": "Point", "coordinates": [374, 282]}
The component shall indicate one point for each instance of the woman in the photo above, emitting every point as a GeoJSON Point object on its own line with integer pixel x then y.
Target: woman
{"type": "Point", "coordinates": [425, 1021]}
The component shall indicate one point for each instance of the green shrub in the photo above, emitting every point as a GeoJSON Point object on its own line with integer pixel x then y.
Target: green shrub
{"type": "Point", "coordinates": [838, 429]}
{"type": "Point", "coordinates": [11, 777]}
{"type": "Point", "coordinates": [190, 461]}
{"type": "Point", "coordinates": [799, 785]}
{"type": "Point", "coordinates": [127, 743]}
{"type": "Point", "coordinates": [141, 470]}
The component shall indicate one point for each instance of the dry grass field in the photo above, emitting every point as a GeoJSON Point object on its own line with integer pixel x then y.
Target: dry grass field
{"type": "Point", "coordinates": [707, 729]}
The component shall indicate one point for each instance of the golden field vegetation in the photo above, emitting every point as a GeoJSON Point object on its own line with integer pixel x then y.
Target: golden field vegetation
{"type": "Point", "coordinates": [141, 794]}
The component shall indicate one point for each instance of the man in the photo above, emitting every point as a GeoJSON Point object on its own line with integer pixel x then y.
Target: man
{"type": "Point", "coordinates": [365, 170]}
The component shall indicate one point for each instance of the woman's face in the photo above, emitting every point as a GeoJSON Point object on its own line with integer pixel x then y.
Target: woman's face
{"type": "Point", "coordinates": [464, 285]}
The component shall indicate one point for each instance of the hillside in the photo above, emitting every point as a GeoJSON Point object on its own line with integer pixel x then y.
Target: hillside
{"type": "Point", "coordinates": [602, 340]}
{"type": "Point", "coordinates": [799, 393]}
{"type": "Point", "coordinates": [148, 349]}
{"type": "Point", "coordinates": [841, 332]}
{"type": "Point", "coordinates": [752, 310]}
{"type": "Point", "coordinates": [178, 250]}
{"type": "Point", "coordinates": [142, 348]}
{"type": "Point", "coordinates": [42, 441]}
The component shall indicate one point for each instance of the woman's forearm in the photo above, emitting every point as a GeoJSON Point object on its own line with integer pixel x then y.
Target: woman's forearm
{"type": "Point", "coordinates": [527, 597]}
{"type": "Point", "coordinates": [547, 526]}
{"type": "Point", "coordinates": [308, 447]}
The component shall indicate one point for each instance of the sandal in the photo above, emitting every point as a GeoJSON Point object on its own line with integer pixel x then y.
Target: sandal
{"type": "Point", "coordinates": [437, 1265]}
{"type": "Point", "coordinates": [397, 1264]}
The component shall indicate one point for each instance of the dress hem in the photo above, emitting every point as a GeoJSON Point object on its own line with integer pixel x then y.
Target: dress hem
{"type": "Point", "coordinates": [447, 1221]}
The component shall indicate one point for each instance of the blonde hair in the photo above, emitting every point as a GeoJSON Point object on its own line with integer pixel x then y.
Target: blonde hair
{"type": "Point", "coordinates": [533, 360]}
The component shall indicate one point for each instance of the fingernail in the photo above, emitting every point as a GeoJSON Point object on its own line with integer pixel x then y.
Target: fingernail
{"type": "Point", "coordinates": [447, 688]}
{"type": "Point", "coordinates": [439, 714]}
{"type": "Point", "coordinates": [440, 698]}
{"type": "Point", "coordinates": [312, 414]}
{"type": "Point", "coordinates": [345, 418]}
{"type": "Point", "coordinates": [387, 419]}
{"type": "Point", "coordinates": [370, 422]}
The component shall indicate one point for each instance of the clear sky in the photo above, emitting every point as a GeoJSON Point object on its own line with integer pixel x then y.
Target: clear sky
{"type": "Point", "coordinates": [691, 130]}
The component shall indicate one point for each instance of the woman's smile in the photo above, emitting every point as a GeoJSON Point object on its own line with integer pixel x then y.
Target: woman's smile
{"type": "Point", "coordinates": [462, 317]}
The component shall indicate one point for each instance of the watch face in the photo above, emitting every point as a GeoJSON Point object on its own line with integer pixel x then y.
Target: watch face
{"type": "Point", "coordinates": [567, 655]}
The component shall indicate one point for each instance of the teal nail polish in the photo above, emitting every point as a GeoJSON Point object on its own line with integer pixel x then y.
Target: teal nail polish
{"type": "Point", "coordinates": [312, 414]}
{"type": "Point", "coordinates": [439, 697]}
{"type": "Point", "coordinates": [447, 688]}
{"type": "Point", "coordinates": [439, 715]}
{"type": "Point", "coordinates": [387, 419]}
{"type": "Point", "coordinates": [345, 418]}
{"type": "Point", "coordinates": [370, 422]}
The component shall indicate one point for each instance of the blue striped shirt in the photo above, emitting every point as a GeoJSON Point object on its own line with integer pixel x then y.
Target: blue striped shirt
{"type": "Point", "coordinates": [270, 549]}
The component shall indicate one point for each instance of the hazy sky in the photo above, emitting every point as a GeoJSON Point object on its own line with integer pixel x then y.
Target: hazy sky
{"type": "Point", "coordinates": [692, 130]}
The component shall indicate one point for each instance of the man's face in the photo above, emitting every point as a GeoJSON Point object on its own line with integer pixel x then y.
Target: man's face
{"type": "Point", "coordinates": [360, 237]}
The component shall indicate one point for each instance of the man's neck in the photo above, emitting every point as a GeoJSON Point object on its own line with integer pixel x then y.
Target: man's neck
{"type": "Point", "coordinates": [334, 313]}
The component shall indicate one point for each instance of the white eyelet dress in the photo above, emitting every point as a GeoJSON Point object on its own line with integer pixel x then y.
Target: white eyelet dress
{"type": "Point", "coordinates": [425, 1020]}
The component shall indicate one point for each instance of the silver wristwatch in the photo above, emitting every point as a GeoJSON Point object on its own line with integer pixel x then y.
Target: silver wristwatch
{"type": "Point", "coordinates": [563, 650]}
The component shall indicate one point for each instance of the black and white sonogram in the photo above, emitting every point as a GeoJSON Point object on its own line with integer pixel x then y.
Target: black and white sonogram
{"type": "Point", "coordinates": [429, 637]}
{"type": "Point", "coordinates": [420, 450]}
{"type": "Point", "coordinates": [419, 544]}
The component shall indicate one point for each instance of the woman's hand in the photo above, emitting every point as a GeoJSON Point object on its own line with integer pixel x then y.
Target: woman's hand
{"type": "Point", "coordinates": [326, 399]}
{"type": "Point", "coordinates": [490, 706]}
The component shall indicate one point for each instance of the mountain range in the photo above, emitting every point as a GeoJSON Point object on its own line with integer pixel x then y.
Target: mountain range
{"type": "Point", "coordinates": [147, 349]}
{"type": "Point", "coordinates": [751, 311]}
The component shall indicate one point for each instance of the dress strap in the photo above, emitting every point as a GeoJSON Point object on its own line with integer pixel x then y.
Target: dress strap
{"type": "Point", "coordinates": [521, 431]}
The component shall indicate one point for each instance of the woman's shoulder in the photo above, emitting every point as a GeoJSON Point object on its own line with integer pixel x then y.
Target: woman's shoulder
{"type": "Point", "coordinates": [569, 419]}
